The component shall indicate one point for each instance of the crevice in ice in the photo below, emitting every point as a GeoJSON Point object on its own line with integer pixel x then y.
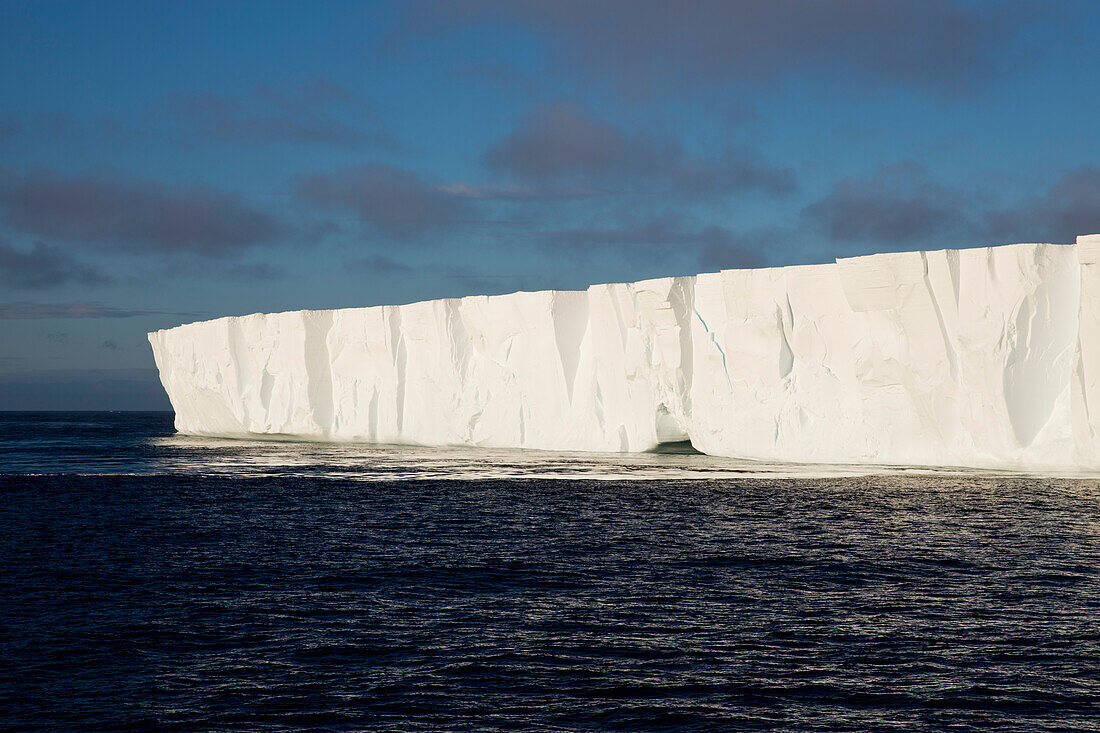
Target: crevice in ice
{"type": "Point", "coordinates": [713, 340]}
{"type": "Point", "coordinates": [619, 319]}
{"type": "Point", "coordinates": [570, 313]}
{"type": "Point", "coordinates": [952, 358]}
{"type": "Point", "coordinates": [471, 425]}
{"type": "Point", "coordinates": [241, 366]}
{"type": "Point", "coordinates": [1036, 370]}
{"type": "Point", "coordinates": [397, 347]}
{"type": "Point", "coordinates": [786, 356]}
{"type": "Point", "coordinates": [598, 408]}
{"type": "Point", "coordinates": [267, 383]}
{"type": "Point", "coordinates": [319, 368]}
{"type": "Point", "coordinates": [952, 256]}
{"type": "Point", "coordinates": [683, 304]}
{"type": "Point", "coordinates": [461, 345]}
{"type": "Point", "coordinates": [372, 415]}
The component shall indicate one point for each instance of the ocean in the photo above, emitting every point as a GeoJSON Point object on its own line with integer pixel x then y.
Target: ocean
{"type": "Point", "coordinates": [158, 582]}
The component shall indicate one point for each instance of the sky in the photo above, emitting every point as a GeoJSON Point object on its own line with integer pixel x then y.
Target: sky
{"type": "Point", "coordinates": [162, 163]}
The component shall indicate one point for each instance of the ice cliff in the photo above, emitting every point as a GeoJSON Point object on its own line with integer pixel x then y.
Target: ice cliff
{"type": "Point", "coordinates": [973, 357]}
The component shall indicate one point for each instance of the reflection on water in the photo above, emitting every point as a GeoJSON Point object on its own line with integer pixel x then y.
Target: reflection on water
{"type": "Point", "coordinates": [390, 462]}
{"type": "Point", "coordinates": [146, 443]}
{"type": "Point", "coordinates": [159, 582]}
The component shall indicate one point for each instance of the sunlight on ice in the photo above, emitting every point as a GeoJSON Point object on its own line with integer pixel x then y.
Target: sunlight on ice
{"type": "Point", "coordinates": [983, 357]}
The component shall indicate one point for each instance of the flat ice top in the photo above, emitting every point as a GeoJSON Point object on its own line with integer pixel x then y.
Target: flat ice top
{"type": "Point", "coordinates": [984, 357]}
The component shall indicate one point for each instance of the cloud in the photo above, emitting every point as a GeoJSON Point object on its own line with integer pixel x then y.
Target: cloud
{"type": "Point", "coordinates": [63, 128]}
{"type": "Point", "coordinates": [317, 113]}
{"type": "Point", "coordinates": [254, 271]}
{"type": "Point", "coordinates": [397, 201]}
{"type": "Point", "coordinates": [23, 310]}
{"type": "Point", "coordinates": [564, 141]}
{"type": "Point", "coordinates": [713, 243]}
{"type": "Point", "coordinates": [520, 191]}
{"type": "Point", "coordinates": [249, 271]}
{"type": "Point", "coordinates": [57, 337]}
{"type": "Point", "coordinates": [1070, 207]}
{"type": "Point", "coordinates": [133, 215]}
{"type": "Point", "coordinates": [744, 249]}
{"type": "Point", "coordinates": [9, 129]}
{"type": "Point", "coordinates": [110, 345]}
{"type": "Point", "coordinates": [938, 46]}
{"type": "Point", "coordinates": [382, 265]}
{"type": "Point", "coordinates": [898, 204]}
{"type": "Point", "coordinates": [44, 266]}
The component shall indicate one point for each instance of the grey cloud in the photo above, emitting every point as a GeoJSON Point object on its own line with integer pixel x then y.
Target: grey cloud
{"type": "Point", "coordinates": [521, 192]}
{"type": "Point", "coordinates": [9, 129]}
{"type": "Point", "coordinates": [380, 265]}
{"type": "Point", "coordinates": [257, 271]}
{"type": "Point", "coordinates": [470, 280]}
{"type": "Point", "coordinates": [320, 112]}
{"type": "Point", "coordinates": [499, 74]}
{"type": "Point", "coordinates": [23, 310]}
{"type": "Point", "coordinates": [63, 128]}
{"type": "Point", "coordinates": [57, 337]}
{"type": "Point", "coordinates": [898, 204]}
{"type": "Point", "coordinates": [254, 271]}
{"type": "Point", "coordinates": [942, 46]}
{"type": "Point", "coordinates": [44, 266]}
{"type": "Point", "coordinates": [1070, 207]}
{"type": "Point", "coordinates": [736, 169]}
{"type": "Point", "coordinates": [739, 250]}
{"type": "Point", "coordinates": [110, 345]}
{"type": "Point", "coordinates": [397, 201]}
{"type": "Point", "coordinates": [714, 243]}
{"type": "Point", "coordinates": [133, 215]}
{"type": "Point", "coordinates": [564, 141]}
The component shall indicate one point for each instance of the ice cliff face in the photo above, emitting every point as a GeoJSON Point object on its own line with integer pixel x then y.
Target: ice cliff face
{"type": "Point", "coordinates": [976, 357]}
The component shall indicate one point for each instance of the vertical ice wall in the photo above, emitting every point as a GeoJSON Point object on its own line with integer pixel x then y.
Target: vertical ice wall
{"type": "Point", "coordinates": [983, 357]}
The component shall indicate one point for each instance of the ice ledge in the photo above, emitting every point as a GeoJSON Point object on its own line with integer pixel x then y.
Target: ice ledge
{"type": "Point", "coordinates": [975, 357]}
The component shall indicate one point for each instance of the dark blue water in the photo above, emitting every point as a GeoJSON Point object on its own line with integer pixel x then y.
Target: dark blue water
{"type": "Point", "coordinates": [153, 582]}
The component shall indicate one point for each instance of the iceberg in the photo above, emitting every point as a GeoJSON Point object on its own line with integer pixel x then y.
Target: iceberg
{"type": "Point", "coordinates": [986, 357]}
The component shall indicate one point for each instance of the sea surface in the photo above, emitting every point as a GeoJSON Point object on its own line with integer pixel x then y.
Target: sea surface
{"type": "Point", "coordinates": [157, 582]}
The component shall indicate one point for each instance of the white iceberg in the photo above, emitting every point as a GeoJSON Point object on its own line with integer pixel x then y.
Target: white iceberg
{"type": "Point", "coordinates": [985, 357]}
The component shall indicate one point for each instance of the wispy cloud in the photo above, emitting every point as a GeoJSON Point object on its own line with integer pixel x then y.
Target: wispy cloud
{"type": "Point", "coordinates": [23, 310]}
{"type": "Point", "coordinates": [714, 245]}
{"type": "Point", "coordinates": [938, 46]}
{"type": "Point", "coordinates": [897, 204]}
{"type": "Point", "coordinates": [319, 112]}
{"type": "Point", "coordinates": [44, 266]}
{"type": "Point", "coordinates": [397, 201]}
{"type": "Point", "coordinates": [565, 142]}
{"type": "Point", "coordinates": [134, 215]}
{"type": "Point", "coordinates": [205, 270]}
{"type": "Point", "coordinates": [1069, 207]}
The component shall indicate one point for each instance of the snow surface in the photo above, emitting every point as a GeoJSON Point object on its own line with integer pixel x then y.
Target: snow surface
{"type": "Point", "coordinates": [985, 357]}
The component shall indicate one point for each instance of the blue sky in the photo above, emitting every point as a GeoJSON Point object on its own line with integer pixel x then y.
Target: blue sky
{"type": "Point", "coordinates": [162, 163]}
